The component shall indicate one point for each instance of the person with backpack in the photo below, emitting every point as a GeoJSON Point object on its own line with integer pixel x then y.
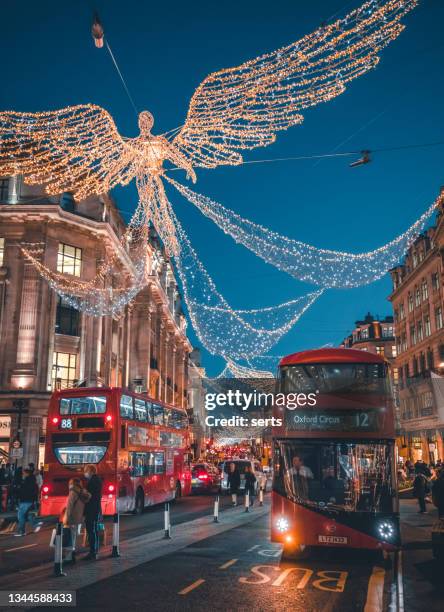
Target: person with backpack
{"type": "Point", "coordinates": [420, 489]}
{"type": "Point", "coordinates": [250, 483]}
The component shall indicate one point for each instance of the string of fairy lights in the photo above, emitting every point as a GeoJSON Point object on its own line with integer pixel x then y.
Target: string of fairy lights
{"type": "Point", "coordinates": [321, 267]}
{"type": "Point", "coordinates": [79, 150]}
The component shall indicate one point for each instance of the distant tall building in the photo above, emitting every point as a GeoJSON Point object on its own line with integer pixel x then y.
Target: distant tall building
{"type": "Point", "coordinates": [374, 335]}
{"type": "Point", "coordinates": [45, 343]}
{"type": "Point", "coordinates": [417, 300]}
{"type": "Point", "coordinates": [196, 402]}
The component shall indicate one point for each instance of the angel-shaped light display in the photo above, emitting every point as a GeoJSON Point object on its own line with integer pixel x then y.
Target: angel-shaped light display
{"type": "Point", "coordinates": [79, 149]}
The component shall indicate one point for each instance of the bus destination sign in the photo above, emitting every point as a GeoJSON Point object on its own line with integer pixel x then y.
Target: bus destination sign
{"type": "Point", "coordinates": [332, 420]}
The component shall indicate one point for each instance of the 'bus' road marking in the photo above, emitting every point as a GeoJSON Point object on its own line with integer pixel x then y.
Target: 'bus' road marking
{"type": "Point", "coordinates": [192, 586]}
{"type": "Point", "coordinates": [228, 564]}
{"type": "Point", "coordinates": [20, 547]}
{"type": "Point", "coordinates": [375, 592]}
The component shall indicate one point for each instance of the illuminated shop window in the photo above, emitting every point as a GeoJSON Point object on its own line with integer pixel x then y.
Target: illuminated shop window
{"type": "Point", "coordinates": [69, 259]}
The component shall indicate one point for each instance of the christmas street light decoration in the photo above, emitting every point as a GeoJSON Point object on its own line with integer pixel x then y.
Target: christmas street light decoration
{"type": "Point", "coordinates": [78, 149]}
{"type": "Point", "coordinates": [322, 267]}
{"type": "Point", "coordinates": [232, 334]}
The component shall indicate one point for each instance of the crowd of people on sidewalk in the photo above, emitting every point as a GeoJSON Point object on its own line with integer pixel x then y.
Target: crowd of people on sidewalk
{"type": "Point", "coordinates": [21, 488]}
{"type": "Point", "coordinates": [428, 483]}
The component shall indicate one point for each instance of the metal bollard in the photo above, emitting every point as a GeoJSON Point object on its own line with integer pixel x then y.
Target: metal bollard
{"type": "Point", "coordinates": [58, 552]}
{"type": "Point", "coordinates": [216, 509]}
{"type": "Point", "coordinates": [261, 497]}
{"type": "Point", "coordinates": [167, 524]}
{"type": "Point", "coordinates": [247, 501]}
{"type": "Point", "coordinates": [116, 535]}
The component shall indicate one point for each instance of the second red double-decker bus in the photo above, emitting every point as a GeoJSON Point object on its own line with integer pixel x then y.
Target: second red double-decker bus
{"type": "Point", "coordinates": [139, 445]}
{"type": "Point", "coordinates": [334, 455]}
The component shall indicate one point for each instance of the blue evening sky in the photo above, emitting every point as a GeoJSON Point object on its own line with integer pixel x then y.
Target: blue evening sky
{"type": "Point", "coordinates": [165, 49]}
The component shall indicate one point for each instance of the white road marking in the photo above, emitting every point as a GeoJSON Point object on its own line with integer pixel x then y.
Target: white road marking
{"type": "Point", "coordinates": [375, 592]}
{"type": "Point", "coordinates": [228, 564]}
{"type": "Point", "coordinates": [253, 547]}
{"type": "Point", "coordinates": [400, 584]}
{"type": "Point", "coordinates": [19, 548]}
{"type": "Point", "coordinates": [191, 587]}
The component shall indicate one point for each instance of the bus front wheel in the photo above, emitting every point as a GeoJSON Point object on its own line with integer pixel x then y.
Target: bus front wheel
{"type": "Point", "coordinates": [140, 502]}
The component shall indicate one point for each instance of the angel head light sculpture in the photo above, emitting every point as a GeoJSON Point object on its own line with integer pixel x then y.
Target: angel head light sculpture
{"type": "Point", "coordinates": [79, 149]}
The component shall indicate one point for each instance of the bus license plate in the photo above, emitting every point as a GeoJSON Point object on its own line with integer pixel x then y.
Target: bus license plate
{"type": "Point", "coordinates": [330, 539]}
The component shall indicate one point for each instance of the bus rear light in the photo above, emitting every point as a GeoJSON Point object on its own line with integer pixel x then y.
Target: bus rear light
{"type": "Point", "coordinates": [55, 420]}
{"type": "Point", "coordinates": [109, 418]}
{"type": "Point", "coordinates": [45, 489]}
{"type": "Point", "coordinates": [203, 476]}
{"type": "Point", "coordinates": [111, 488]}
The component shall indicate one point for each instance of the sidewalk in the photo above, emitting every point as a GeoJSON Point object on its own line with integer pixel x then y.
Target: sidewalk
{"type": "Point", "coordinates": [423, 576]}
{"type": "Point", "coordinates": [135, 552]}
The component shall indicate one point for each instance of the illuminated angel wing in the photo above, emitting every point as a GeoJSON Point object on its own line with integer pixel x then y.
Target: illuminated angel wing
{"type": "Point", "coordinates": [76, 149]}
{"type": "Point", "coordinates": [243, 107]}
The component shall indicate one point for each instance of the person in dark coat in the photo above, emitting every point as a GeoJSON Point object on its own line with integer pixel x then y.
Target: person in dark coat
{"type": "Point", "coordinates": [438, 493]}
{"type": "Point", "coordinates": [27, 494]}
{"type": "Point", "coordinates": [233, 482]}
{"type": "Point", "coordinates": [93, 509]}
{"type": "Point", "coordinates": [420, 487]}
{"type": "Point", "coordinates": [250, 483]}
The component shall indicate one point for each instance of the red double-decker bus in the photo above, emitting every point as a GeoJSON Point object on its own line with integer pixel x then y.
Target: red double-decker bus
{"type": "Point", "coordinates": [334, 454]}
{"type": "Point", "coordinates": [139, 445]}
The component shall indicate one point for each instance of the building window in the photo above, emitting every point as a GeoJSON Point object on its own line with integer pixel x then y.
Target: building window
{"type": "Point", "coordinates": [394, 350]}
{"type": "Point", "coordinates": [415, 366]}
{"type": "Point", "coordinates": [387, 331]}
{"type": "Point", "coordinates": [4, 190]}
{"type": "Point", "coordinates": [67, 318]}
{"type": "Point", "coordinates": [417, 296]}
{"type": "Point", "coordinates": [419, 331]}
{"type": "Point", "coordinates": [364, 333]}
{"type": "Point", "coordinates": [410, 302]}
{"type": "Point", "coordinates": [430, 360]}
{"type": "Point", "coordinates": [401, 311]}
{"type": "Point", "coordinates": [380, 350]}
{"type": "Point", "coordinates": [412, 335]}
{"type": "Point", "coordinates": [69, 259]}
{"type": "Point", "coordinates": [415, 259]}
{"type": "Point", "coordinates": [424, 290]}
{"type": "Point", "coordinates": [438, 317]}
{"type": "Point", "coordinates": [435, 281]}
{"type": "Point", "coordinates": [64, 366]}
{"type": "Point", "coordinates": [395, 376]}
{"type": "Point", "coordinates": [2, 250]}
{"type": "Point", "coordinates": [427, 326]}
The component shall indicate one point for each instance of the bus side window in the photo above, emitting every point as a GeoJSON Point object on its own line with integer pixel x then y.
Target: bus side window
{"type": "Point", "coordinates": [126, 407]}
{"type": "Point", "coordinates": [140, 410]}
{"type": "Point", "coordinates": [158, 414]}
{"type": "Point", "coordinates": [122, 436]}
{"type": "Point", "coordinates": [159, 463]}
{"type": "Point", "coordinates": [149, 412]}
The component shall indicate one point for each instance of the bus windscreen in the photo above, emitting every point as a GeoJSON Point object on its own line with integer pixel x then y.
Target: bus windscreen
{"type": "Point", "coordinates": [344, 476]}
{"type": "Point", "coordinates": [95, 404]}
{"type": "Point", "coordinates": [349, 378]}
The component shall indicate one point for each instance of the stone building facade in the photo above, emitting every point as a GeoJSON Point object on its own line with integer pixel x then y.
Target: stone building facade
{"type": "Point", "coordinates": [45, 343]}
{"type": "Point", "coordinates": [417, 300]}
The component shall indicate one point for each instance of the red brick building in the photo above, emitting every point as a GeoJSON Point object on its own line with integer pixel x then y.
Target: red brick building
{"type": "Point", "coordinates": [417, 300]}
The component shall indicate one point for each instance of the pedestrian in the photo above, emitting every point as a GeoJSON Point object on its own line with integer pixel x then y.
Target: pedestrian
{"type": "Point", "coordinates": [74, 513]}
{"type": "Point", "coordinates": [438, 494]}
{"type": "Point", "coordinates": [93, 509]}
{"type": "Point", "coordinates": [250, 483]}
{"type": "Point", "coordinates": [420, 486]}
{"type": "Point", "coordinates": [16, 483]}
{"type": "Point", "coordinates": [27, 498]}
{"type": "Point", "coordinates": [233, 482]}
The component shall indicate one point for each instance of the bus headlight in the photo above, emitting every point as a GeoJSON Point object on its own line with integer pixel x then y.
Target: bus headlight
{"type": "Point", "coordinates": [282, 524]}
{"type": "Point", "coordinates": [386, 530]}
